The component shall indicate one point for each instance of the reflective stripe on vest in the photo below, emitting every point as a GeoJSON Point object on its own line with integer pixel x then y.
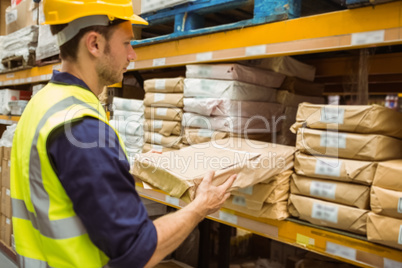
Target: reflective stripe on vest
{"type": "Point", "coordinates": [32, 263]}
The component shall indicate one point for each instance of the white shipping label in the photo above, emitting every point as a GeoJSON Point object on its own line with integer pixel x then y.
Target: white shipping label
{"type": "Point", "coordinates": [323, 189]}
{"type": "Point", "coordinates": [333, 140]}
{"type": "Point", "coordinates": [159, 97]}
{"type": "Point", "coordinates": [325, 212]}
{"type": "Point", "coordinates": [159, 62]}
{"type": "Point", "coordinates": [11, 16]}
{"type": "Point", "coordinates": [9, 163]}
{"type": "Point", "coordinates": [392, 264]}
{"type": "Point", "coordinates": [204, 56]}
{"type": "Point", "coordinates": [156, 138]}
{"type": "Point", "coordinates": [11, 75]}
{"type": "Point", "coordinates": [131, 66]}
{"type": "Point", "coordinates": [332, 115]}
{"type": "Point", "coordinates": [400, 205]}
{"type": "Point", "coordinates": [161, 111]}
{"type": "Point", "coordinates": [239, 201]}
{"type": "Point", "coordinates": [328, 167]}
{"type": "Point", "coordinates": [205, 133]}
{"type": "Point", "coordinates": [157, 148]}
{"type": "Point", "coordinates": [256, 50]}
{"type": "Point", "coordinates": [205, 71]}
{"type": "Point", "coordinates": [341, 251]}
{"type": "Point", "coordinates": [160, 84]}
{"type": "Point", "coordinates": [172, 200]}
{"type": "Point", "coordinates": [8, 221]}
{"type": "Point", "coordinates": [224, 216]}
{"type": "Point", "coordinates": [247, 190]}
{"type": "Point", "coordinates": [157, 124]}
{"type": "Point", "coordinates": [400, 235]}
{"type": "Point", "coordinates": [8, 192]}
{"type": "Point", "coordinates": [368, 37]}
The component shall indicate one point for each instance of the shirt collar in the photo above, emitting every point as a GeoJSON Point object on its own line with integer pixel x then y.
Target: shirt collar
{"type": "Point", "coordinates": [67, 78]}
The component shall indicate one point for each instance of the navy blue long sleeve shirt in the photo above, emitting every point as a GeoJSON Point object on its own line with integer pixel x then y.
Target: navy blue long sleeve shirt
{"type": "Point", "coordinates": [102, 190]}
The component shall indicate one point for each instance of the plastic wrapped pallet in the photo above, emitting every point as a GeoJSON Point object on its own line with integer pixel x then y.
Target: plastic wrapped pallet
{"type": "Point", "coordinates": [302, 87]}
{"type": "Point", "coordinates": [384, 230]}
{"type": "Point", "coordinates": [276, 211]}
{"type": "Point", "coordinates": [289, 99]}
{"type": "Point", "coordinates": [20, 43]}
{"type": "Point", "coordinates": [348, 194]}
{"type": "Point", "coordinates": [163, 100]}
{"type": "Point", "coordinates": [389, 175]}
{"type": "Point", "coordinates": [386, 202]}
{"type": "Point", "coordinates": [163, 127]}
{"type": "Point", "coordinates": [235, 72]}
{"type": "Point", "coordinates": [361, 172]}
{"type": "Point", "coordinates": [348, 145]}
{"type": "Point", "coordinates": [285, 65]}
{"type": "Point", "coordinates": [258, 124]}
{"type": "Point", "coordinates": [167, 85]}
{"type": "Point", "coordinates": [162, 113]}
{"type": "Point", "coordinates": [253, 161]}
{"type": "Point", "coordinates": [226, 107]}
{"type": "Point", "coordinates": [47, 43]}
{"type": "Point", "coordinates": [156, 138]}
{"type": "Point", "coordinates": [367, 119]}
{"type": "Point", "coordinates": [233, 90]}
{"type": "Point", "coordinates": [328, 214]}
{"type": "Point", "coordinates": [125, 104]}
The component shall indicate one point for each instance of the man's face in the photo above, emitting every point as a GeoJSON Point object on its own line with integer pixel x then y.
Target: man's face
{"type": "Point", "coordinates": [117, 55]}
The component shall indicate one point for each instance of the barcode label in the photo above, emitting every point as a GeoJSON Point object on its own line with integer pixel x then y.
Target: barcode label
{"type": "Point", "coordinates": [204, 56]}
{"type": "Point", "coordinates": [325, 212]}
{"type": "Point", "coordinates": [205, 71]}
{"type": "Point", "coordinates": [159, 62]}
{"type": "Point", "coordinates": [333, 140]}
{"type": "Point", "coordinates": [160, 84]}
{"type": "Point", "coordinates": [256, 50]}
{"type": "Point", "coordinates": [400, 205]}
{"type": "Point", "coordinates": [157, 148]}
{"type": "Point", "coordinates": [323, 189]}
{"type": "Point", "coordinates": [247, 190]}
{"type": "Point", "coordinates": [328, 167]}
{"type": "Point", "coordinates": [400, 235]}
{"type": "Point", "coordinates": [392, 264]}
{"type": "Point", "coordinates": [8, 192]}
{"type": "Point", "coordinates": [239, 201]}
{"type": "Point", "coordinates": [161, 111]}
{"type": "Point", "coordinates": [157, 124]}
{"type": "Point", "coordinates": [172, 200]}
{"type": "Point", "coordinates": [341, 251]}
{"type": "Point", "coordinates": [368, 37]}
{"type": "Point", "coordinates": [332, 115]}
{"type": "Point", "coordinates": [159, 97]}
{"type": "Point", "coordinates": [227, 217]}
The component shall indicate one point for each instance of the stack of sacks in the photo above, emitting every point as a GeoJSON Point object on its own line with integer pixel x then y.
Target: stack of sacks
{"type": "Point", "coordinates": [260, 189]}
{"type": "Point", "coordinates": [384, 224]}
{"type": "Point", "coordinates": [163, 113]}
{"type": "Point", "coordinates": [298, 87]}
{"type": "Point", "coordinates": [224, 100]}
{"type": "Point", "coordinates": [343, 183]}
{"type": "Point", "coordinates": [128, 120]}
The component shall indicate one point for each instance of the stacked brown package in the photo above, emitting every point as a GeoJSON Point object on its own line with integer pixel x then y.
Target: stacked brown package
{"type": "Point", "coordinates": [163, 103]}
{"type": "Point", "coordinates": [334, 170]}
{"type": "Point", "coordinates": [5, 227]}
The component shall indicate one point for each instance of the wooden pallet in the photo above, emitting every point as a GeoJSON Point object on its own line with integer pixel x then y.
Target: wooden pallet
{"type": "Point", "coordinates": [15, 63]}
{"type": "Point", "coordinates": [49, 60]}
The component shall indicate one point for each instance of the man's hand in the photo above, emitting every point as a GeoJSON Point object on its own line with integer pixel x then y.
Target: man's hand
{"type": "Point", "coordinates": [210, 197]}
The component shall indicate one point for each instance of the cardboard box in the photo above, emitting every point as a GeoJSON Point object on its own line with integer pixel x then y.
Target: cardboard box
{"type": "Point", "coordinates": [344, 193]}
{"type": "Point", "coordinates": [24, 14]}
{"type": "Point", "coordinates": [384, 230]}
{"type": "Point", "coordinates": [5, 173]}
{"type": "Point", "coordinates": [157, 148]}
{"type": "Point", "coordinates": [167, 85]}
{"type": "Point", "coordinates": [389, 175]}
{"type": "Point", "coordinates": [156, 138]}
{"type": "Point", "coordinates": [4, 4]}
{"type": "Point", "coordinates": [348, 145]}
{"type": "Point", "coordinates": [179, 172]}
{"type": "Point", "coordinates": [233, 90]}
{"type": "Point", "coordinates": [170, 114]}
{"type": "Point", "coordinates": [226, 107]}
{"type": "Point", "coordinates": [163, 100]}
{"type": "Point", "coordinates": [6, 153]}
{"type": "Point", "coordinates": [366, 119]}
{"type": "Point", "coordinates": [277, 189]}
{"type": "Point", "coordinates": [386, 202]}
{"type": "Point", "coordinates": [276, 211]}
{"type": "Point", "coordinates": [302, 87]}
{"type": "Point", "coordinates": [6, 230]}
{"type": "Point", "coordinates": [6, 202]}
{"type": "Point", "coordinates": [293, 100]}
{"type": "Point", "coordinates": [328, 214]}
{"type": "Point", "coordinates": [236, 72]}
{"type": "Point", "coordinates": [354, 171]}
{"type": "Point", "coordinates": [163, 127]}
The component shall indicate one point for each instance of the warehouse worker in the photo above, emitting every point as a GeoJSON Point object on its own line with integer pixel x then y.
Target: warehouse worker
{"type": "Point", "coordinates": [74, 201]}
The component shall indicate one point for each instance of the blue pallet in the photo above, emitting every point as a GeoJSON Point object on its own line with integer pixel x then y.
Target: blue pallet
{"type": "Point", "coordinates": [189, 21]}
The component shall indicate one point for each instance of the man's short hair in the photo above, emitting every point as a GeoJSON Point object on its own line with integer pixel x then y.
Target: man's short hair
{"type": "Point", "coordinates": [69, 50]}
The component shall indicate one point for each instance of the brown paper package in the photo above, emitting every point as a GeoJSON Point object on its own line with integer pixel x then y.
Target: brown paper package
{"type": "Point", "coordinates": [389, 175]}
{"type": "Point", "coordinates": [348, 145]}
{"type": "Point", "coordinates": [368, 119]}
{"type": "Point", "coordinates": [163, 127]}
{"type": "Point", "coordinates": [386, 202]}
{"type": "Point", "coordinates": [328, 214]}
{"type": "Point", "coordinates": [168, 85]}
{"type": "Point", "coordinates": [277, 211]}
{"type": "Point", "coordinates": [148, 147]}
{"type": "Point", "coordinates": [347, 170]}
{"type": "Point", "coordinates": [170, 114]}
{"type": "Point", "coordinates": [302, 87]}
{"type": "Point", "coordinates": [384, 230]}
{"type": "Point", "coordinates": [163, 100]}
{"type": "Point", "coordinates": [179, 172]}
{"type": "Point", "coordinates": [344, 193]}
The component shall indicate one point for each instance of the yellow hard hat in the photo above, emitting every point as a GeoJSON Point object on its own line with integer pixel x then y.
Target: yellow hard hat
{"type": "Point", "coordinates": [65, 11]}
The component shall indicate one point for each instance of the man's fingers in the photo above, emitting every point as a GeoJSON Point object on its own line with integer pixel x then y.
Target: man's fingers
{"type": "Point", "coordinates": [209, 176]}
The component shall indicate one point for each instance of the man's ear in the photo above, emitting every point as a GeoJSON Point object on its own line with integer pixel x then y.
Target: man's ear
{"type": "Point", "coordinates": [94, 43]}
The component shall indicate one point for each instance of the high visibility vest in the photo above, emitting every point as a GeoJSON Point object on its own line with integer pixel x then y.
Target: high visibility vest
{"type": "Point", "coordinates": [47, 231]}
